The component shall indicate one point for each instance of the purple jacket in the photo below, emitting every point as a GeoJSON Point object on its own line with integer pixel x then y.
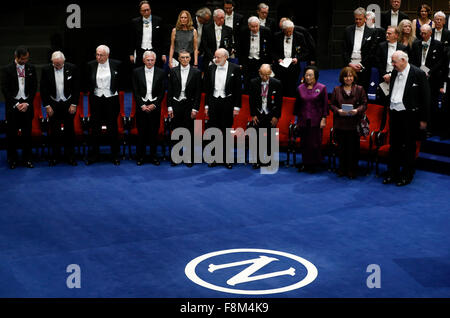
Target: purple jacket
{"type": "Point", "coordinates": [311, 104]}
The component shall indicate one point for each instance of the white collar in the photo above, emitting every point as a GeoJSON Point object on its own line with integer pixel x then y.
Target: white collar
{"type": "Point", "coordinates": [148, 70]}
{"type": "Point", "coordinates": [182, 68]}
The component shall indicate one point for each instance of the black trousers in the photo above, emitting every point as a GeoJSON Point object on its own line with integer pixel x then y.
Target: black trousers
{"type": "Point", "coordinates": [148, 127]}
{"type": "Point", "coordinates": [221, 116]}
{"type": "Point", "coordinates": [404, 128]}
{"type": "Point", "coordinates": [105, 111]}
{"type": "Point", "coordinates": [348, 150]}
{"type": "Point", "coordinates": [23, 121]}
{"type": "Point", "coordinates": [58, 136]}
{"type": "Point", "coordinates": [182, 119]}
{"type": "Point", "coordinates": [265, 121]}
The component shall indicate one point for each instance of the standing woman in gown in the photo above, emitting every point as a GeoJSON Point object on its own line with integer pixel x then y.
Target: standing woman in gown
{"type": "Point", "coordinates": [423, 17]}
{"type": "Point", "coordinates": [183, 38]}
{"type": "Point", "coordinates": [345, 123]}
{"type": "Point", "coordinates": [311, 109]}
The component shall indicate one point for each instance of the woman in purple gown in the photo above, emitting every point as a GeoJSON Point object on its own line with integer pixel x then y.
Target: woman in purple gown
{"type": "Point", "coordinates": [311, 109]}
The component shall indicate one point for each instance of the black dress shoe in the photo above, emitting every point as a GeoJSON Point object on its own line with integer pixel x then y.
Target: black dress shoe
{"type": "Point", "coordinates": [173, 164]}
{"type": "Point", "coordinates": [12, 165]}
{"type": "Point", "coordinates": [388, 180]}
{"type": "Point", "coordinates": [228, 165]}
{"type": "Point", "coordinates": [29, 164]}
{"type": "Point", "coordinates": [116, 162]}
{"type": "Point", "coordinates": [403, 181]}
{"type": "Point", "coordinates": [139, 162]}
{"type": "Point", "coordinates": [52, 162]}
{"type": "Point", "coordinates": [72, 162]}
{"type": "Point", "coordinates": [212, 164]}
{"type": "Point", "coordinates": [189, 164]}
{"type": "Point", "coordinates": [256, 166]}
{"type": "Point", "coordinates": [155, 161]}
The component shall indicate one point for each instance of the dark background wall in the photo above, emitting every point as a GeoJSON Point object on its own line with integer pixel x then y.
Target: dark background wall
{"type": "Point", "coordinates": [41, 25]}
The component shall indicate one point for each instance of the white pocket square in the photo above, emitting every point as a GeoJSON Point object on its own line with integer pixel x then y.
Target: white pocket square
{"type": "Point", "coordinates": [157, 27]}
{"type": "Point", "coordinates": [414, 85]}
{"type": "Point", "coordinates": [69, 77]}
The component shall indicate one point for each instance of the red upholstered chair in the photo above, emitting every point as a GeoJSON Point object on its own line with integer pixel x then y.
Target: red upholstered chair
{"type": "Point", "coordinates": [78, 127]}
{"type": "Point", "coordinates": [374, 113]}
{"type": "Point", "coordinates": [286, 137]}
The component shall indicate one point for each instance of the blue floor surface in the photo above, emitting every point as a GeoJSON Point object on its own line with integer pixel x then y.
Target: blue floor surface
{"type": "Point", "coordinates": [132, 230]}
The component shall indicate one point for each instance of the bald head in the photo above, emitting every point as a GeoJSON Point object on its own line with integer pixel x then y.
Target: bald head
{"type": "Point", "coordinates": [265, 71]}
{"type": "Point", "coordinates": [425, 32]}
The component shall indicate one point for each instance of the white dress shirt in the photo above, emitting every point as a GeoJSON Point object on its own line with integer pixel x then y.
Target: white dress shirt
{"type": "Point", "coordinates": [21, 93]}
{"type": "Point", "coordinates": [147, 34]}
{"type": "Point", "coordinates": [288, 46]}
{"type": "Point", "coordinates": [104, 81]}
{"type": "Point", "coordinates": [398, 89]}
{"type": "Point", "coordinates": [218, 30]}
{"type": "Point", "coordinates": [356, 53]}
{"type": "Point", "coordinates": [229, 20]}
{"type": "Point", "coordinates": [392, 47]}
{"type": "Point", "coordinates": [394, 18]}
{"type": "Point", "coordinates": [264, 109]}
{"type": "Point", "coordinates": [149, 74]}
{"type": "Point", "coordinates": [220, 80]}
{"type": "Point", "coordinates": [262, 22]}
{"type": "Point", "coordinates": [184, 72]}
{"type": "Point", "coordinates": [438, 34]}
{"type": "Point", "coordinates": [59, 81]}
{"type": "Point", "coordinates": [254, 46]}
{"type": "Point", "coordinates": [425, 51]}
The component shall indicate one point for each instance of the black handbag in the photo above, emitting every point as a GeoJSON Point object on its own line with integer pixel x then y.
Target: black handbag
{"type": "Point", "coordinates": [363, 126]}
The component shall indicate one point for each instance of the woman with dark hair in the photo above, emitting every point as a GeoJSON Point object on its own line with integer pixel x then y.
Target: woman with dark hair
{"type": "Point", "coordinates": [423, 17]}
{"type": "Point", "coordinates": [183, 38]}
{"type": "Point", "coordinates": [311, 109]}
{"type": "Point", "coordinates": [348, 103]}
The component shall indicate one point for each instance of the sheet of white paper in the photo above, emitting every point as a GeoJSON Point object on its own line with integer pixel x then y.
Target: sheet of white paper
{"type": "Point", "coordinates": [286, 62]}
{"type": "Point", "coordinates": [385, 88]}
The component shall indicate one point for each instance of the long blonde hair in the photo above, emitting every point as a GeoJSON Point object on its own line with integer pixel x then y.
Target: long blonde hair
{"type": "Point", "coordinates": [411, 36]}
{"type": "Point", "coordinates": [190, 24]}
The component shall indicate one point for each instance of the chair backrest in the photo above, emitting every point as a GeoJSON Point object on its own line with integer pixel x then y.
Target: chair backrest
{"type": "Point", "coordinates": [77, 125]}
{"type": "Point", "coordinates": [241, 120]}
{"type": "Point", "coordinates": [287, 117]}
{"type": "Point", "coordinates": [326, 132]}
{"type": "Point", "coordinates": [36, 129]}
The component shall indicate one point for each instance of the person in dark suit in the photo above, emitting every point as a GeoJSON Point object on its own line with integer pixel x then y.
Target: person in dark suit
{"type": "Point", "coordinates": [392, 16]}
{"type": "Point", "coordinates": [265, 101]}
{"type": "Point", "coordinates": [223, 95]}
{"type": "Point", "coordinates": [409, 106]}
{"type": "Point", "coordinates": [289, 44]}
{"type": "Point", "coordinates": [148, 90]}
{"type": "Point", "coordinates": [384, 53]}
{"type": "Point", "coordinates": [309, 40]}
{"type": "Point", "coordinates": [19, 84]}
{"type": "Point", "coordinates": [147, 34]}
{"type": "Point", "coordinates": [440, 33]}
{"type": "Point", "coordinates": [345, 122]}
{"type": "Point", "coordinates": [428, 54]}
{"type": "Point", "coordinates": [60, 93]}
{"type": "Point", "coordinates": [359, 45]}
{"type": "Point", "coordinates": [202, 18]}
{"type": "Point", "coordinates": [233, 19]}
{"type": "Point", "coordinates": [379, 33]}
{"type": "Point", "coordinates": [183, 97]}
{"type": "Point", "coordinates": [255, 47]}
{"type": "Point", "coordinates": [103, 84]}
{"type": "Point", "coordinates": [262, 12]}
{"type": "Point", "coordinates": [216, 35]}
{"type": "Point", "coordinates": [445, 91]}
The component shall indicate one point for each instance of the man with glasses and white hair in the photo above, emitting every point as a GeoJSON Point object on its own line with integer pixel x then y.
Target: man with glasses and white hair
{"type": "Point", "coordinates": [255, 49]}
{"type": "Point", "coordinates": [440, 33]}
{"type": "Point", "coordinates": [103, 84]}
{"type": "Point", "coordinates": [409, 97]}
{"type": "Point", "coordinates": [60, 93]}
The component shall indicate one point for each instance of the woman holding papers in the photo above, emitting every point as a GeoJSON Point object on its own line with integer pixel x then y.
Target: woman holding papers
{"type": "Point", "coordinates": [311, 109]}
{"type": "Point", "coordinates": [348, 103]}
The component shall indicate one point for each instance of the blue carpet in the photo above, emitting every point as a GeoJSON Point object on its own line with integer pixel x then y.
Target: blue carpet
{"type": "Point", "coordinates": [132, 230]}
